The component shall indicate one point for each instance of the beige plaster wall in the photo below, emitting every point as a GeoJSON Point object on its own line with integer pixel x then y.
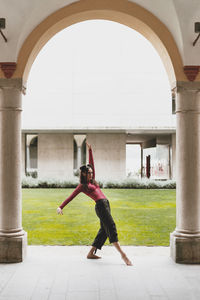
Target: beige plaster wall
{"type": "Point", "coordinates": [109, 155]}
{"type": "Point", "coordinates": [55, 155]}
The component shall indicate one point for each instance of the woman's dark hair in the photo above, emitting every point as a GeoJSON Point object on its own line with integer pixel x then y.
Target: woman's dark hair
{"type": "Point", "coordinates": [83, 179]}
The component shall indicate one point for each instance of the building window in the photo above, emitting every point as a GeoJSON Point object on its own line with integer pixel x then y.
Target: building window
{"type": "Point", "coordinates": [83, 153]}
{"type": "Point", "coordinates": [75, 156]}
{"type": "Point", "coordinates": [159, 162]}
{"type": "Point", "coordinates": [133, 160]}
{"type": "Point", "coordinates": [173, 103]}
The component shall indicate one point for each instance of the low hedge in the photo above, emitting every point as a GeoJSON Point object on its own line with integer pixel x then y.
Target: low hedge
{"type": "Point", "coordinates": [29, 182]}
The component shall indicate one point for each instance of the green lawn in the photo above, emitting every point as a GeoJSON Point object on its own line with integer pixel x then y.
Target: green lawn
{"type": "Point", "coordinates": [143, 217]}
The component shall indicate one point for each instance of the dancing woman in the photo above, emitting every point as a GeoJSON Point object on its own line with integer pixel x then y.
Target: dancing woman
{"type": "Point", "coordinates": [89, 186]}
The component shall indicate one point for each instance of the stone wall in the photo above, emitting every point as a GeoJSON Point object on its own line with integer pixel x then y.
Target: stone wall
{"type": "Point", "coordinates": [109, 155]}
{"type": "Point", "coordinates": [55, 155]}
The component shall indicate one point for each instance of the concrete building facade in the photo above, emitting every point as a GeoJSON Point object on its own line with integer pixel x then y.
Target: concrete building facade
{"type": "Point", "coordinates": [60, 154]}
{"type": "Point", "coordinates": [55, 155]}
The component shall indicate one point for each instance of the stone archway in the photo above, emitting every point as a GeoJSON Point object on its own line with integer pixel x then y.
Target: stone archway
{"type": "Point", "coordinates": [185, 241]}
{"type": "Point", "coordinates": [121, 11]}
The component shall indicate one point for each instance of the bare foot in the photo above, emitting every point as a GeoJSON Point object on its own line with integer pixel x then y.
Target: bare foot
{"type": "Point", "coordinates": [126, 260]}
{"type": "Point", "coordinates": [92, 256]}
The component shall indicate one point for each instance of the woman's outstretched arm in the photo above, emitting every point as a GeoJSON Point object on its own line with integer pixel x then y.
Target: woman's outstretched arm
{"type": "Point", "coordinates": [91, 160]}
{"type": "Point", "coordinates": [77, 190]}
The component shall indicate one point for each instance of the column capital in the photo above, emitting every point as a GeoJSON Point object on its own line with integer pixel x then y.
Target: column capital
{"type": "Point", "coordinates": [10, 94]}
{"type": "Point", "coordinates": [13, 83]}
{"type": "Point", "coordinates": [79, 138]}
{"type": "Point", "coordinates": [180, 86]}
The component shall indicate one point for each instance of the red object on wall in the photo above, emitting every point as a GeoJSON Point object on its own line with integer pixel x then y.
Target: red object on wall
{"type": "Point", "coordinates": [191, 72]}
{"type": "Point", "coordinates": [148, 166]}
{"type": "Point", "coordinates": [8, 68]}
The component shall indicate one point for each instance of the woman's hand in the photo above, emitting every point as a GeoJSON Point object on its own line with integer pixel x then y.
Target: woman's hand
{"type": "Point", "coordinates": [88, 145]}
{"type": "Point", "coordinates": [59, 211]}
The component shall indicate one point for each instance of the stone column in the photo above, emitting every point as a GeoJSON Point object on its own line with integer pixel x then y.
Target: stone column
{"type": "Point", "coordinates": [13, 239]}
{"type": "Point", "coordinates": [185, 240]}
{"type": "Point", "coordinates": [28, 157]}
{"type": "Point", "coordinates": [79, 141]}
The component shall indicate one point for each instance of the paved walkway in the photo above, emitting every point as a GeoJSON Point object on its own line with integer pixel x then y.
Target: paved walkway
{"type": "Point", "coordinates": [63, 272]}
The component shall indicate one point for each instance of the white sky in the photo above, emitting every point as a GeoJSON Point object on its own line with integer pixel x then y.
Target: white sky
{"type": "Point", "coordinates": [96, 74]}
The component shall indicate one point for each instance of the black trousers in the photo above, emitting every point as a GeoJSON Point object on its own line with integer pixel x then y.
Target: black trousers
{"type": "Point", "coordinates": [107, 224]}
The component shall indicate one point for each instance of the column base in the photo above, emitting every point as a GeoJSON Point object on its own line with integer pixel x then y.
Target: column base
{"type": "Point", "coordinates": [13, 249]}
{"type": "Point", "coordinates": [185, 249]}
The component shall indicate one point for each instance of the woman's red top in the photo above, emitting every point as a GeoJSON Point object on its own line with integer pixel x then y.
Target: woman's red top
{"type": "Point", "coordinates": [93, 191]}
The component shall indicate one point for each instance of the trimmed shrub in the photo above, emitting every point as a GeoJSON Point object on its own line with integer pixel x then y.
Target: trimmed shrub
{"type": "Point", "coordinates": [129, 183]}
{"type": "Point", "coordinates": [140, 184]}
{"type": "Point", "coordinates": [29, 182]}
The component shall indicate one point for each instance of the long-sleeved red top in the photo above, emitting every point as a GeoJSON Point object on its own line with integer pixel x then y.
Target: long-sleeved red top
{"type": "Point", "coordinates": [93, 191]}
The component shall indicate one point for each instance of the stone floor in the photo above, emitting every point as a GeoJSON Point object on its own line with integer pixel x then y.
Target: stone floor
{"type": "Point", "coordinates": [63, 272]}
